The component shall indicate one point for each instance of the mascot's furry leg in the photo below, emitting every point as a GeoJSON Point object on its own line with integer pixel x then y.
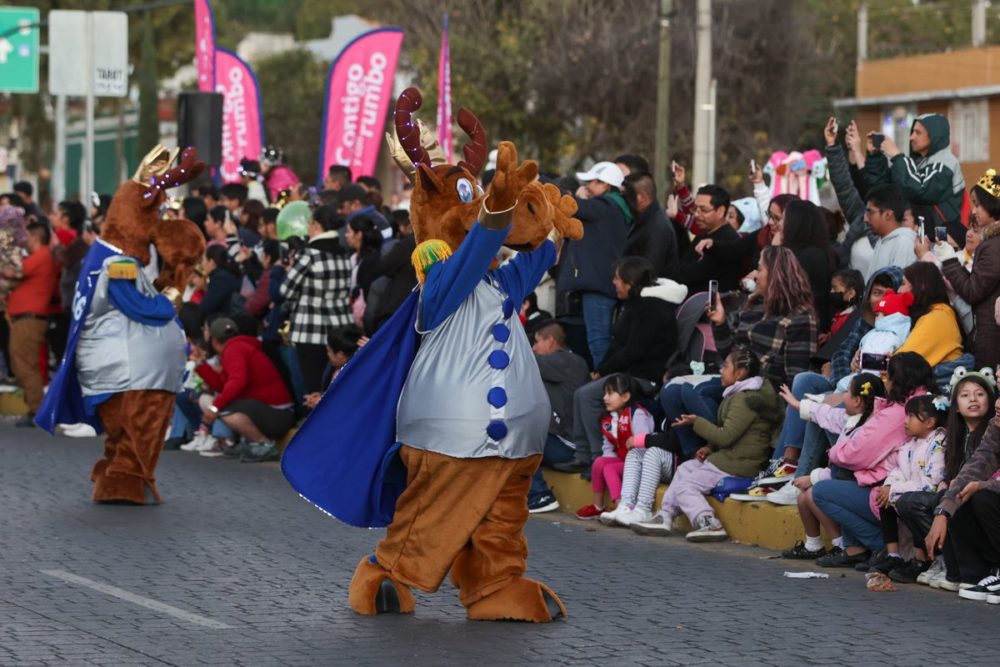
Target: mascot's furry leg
{"type": "Point", "coordinates": [463, 515]}
{"type": "Point", "coordinates": [135, 423]}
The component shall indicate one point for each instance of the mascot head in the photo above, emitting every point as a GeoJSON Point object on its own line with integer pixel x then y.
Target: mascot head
{"type": "Point", "coordinates": [133, 221]}
{"type": "Point", "coordinates": [447, 199]}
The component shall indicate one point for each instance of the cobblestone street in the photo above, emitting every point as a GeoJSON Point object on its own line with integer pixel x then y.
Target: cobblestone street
{"type": "Point", "coordinates": [234, 568]}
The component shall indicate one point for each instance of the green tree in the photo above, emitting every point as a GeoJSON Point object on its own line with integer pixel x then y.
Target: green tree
{"type": "Point", "coordinates": [292, 88]}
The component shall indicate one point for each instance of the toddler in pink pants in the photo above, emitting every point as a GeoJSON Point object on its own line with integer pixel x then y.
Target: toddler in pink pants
{"type": "Point", "coordinates": [624, 419]}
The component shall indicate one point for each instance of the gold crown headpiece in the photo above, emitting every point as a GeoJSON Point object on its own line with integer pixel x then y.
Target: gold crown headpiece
{"type": "Point", "coordinates": [991, 183]}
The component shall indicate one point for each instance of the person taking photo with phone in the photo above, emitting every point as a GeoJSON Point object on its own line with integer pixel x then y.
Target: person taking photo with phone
{"type": "Point", "coordinates": [930, 176]}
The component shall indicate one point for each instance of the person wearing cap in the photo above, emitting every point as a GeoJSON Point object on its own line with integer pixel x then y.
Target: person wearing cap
{"type": "Point", "coordinates": [251, 397]}
{"type": "Point", "coordinates": [585, 266]}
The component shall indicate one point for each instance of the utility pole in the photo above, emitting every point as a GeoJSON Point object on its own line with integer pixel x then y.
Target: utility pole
{"type": "Point", "coordinates": [702, 92]}
{"type": "Point", "coordinates": [660, 158]}
{"type": "Point", "coordinates": [979, 22]}
{"type": "Point", "coordinates": [862, 33]}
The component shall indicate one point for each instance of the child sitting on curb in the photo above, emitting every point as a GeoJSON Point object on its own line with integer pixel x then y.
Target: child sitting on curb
{"type": "Point", "coordinates": [738, 443]}
{"type": "Point", "coordinates": [624, 419]}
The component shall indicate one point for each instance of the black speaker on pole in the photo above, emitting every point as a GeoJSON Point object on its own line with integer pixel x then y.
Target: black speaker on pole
{"type": "Point", "coordinates": [199, 124]}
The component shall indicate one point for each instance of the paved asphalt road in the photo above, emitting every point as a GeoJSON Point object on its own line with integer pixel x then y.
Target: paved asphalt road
{"type": "Point", "coordinates": [234, 568]}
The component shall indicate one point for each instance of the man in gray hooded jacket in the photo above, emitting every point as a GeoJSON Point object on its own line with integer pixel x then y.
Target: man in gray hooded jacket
{"type": "Point", "coordinates": [930, 176]}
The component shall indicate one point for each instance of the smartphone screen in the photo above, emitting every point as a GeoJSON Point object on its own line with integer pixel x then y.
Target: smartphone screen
{"type": "Point", "coordinates": [753, 166]}
{"type": "Point", "coordinates": [942, 234]}
{"type": "Point", "coordinates": [713, 293]}
{"type": "Point", "coordinates": [875, 362]}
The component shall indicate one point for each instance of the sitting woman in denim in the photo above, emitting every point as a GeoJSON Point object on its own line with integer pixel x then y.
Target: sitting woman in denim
{"type": "Point", "coordinates": [794, 430]}
{"type": "Point", "coordinates": [869, 455]}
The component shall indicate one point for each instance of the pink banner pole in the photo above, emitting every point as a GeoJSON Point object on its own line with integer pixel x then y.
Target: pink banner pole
{"type": "Point", "coordinates": [204, 44]}
{"type": "Point", "coordinates": [359, 88]}
{"type": "Point", "coordinates": [242, 119]}
{"type": "Point", "coordinates": [444, 94]}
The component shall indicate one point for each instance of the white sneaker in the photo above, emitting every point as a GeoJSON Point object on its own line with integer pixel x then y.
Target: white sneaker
{"type": "Point", "coordinates": [196, 442]}
{"type": "Point", "coordinates": [213, 452]}
{"type": "Point", "coordinates": [786, 495]}
{"type": "Point", "coordinates": [80, 430]}
{"type": "Point", "coordinates": [612, 518]}
{"type": "Point", "coordinates": [635, 515]}
{"type": "Point", "coordinates": [658, 525]}
{"type": "Point", "coordinates": [935, 570]}
{"type": "Point", "coordinates": [207, 444]}
{"type": "Point", "coordinates": [709, 530]}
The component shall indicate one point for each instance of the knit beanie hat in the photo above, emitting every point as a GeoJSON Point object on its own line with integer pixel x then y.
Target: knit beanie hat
{"type": "Point", "coordinates": [893, 303]}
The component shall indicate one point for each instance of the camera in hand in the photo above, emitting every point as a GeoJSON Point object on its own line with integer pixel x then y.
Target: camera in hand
{"type": "Point", "coordinates": [877, 139]}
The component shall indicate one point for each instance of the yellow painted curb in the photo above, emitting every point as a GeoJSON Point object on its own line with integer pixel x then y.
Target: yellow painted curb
{"type": "Point", "coordinates": [761, 523]}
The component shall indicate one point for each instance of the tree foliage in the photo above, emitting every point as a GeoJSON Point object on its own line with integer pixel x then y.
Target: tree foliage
{"type": "Point", "coordinates": [293, 87]}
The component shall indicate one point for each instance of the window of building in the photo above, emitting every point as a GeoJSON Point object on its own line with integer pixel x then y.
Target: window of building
{"type": "Point", "coordinates": [970, 130]}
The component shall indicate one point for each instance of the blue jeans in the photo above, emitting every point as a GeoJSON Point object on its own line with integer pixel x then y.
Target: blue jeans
{"type": "Point", "coordinates": [598, 310]}
{"type": "Point", "coordinates": [794, 429]}
{"type": "Point", "coordinates": [682, 398]}
{"type": "Point", "coordinates": [556, 451]}
{"type": "Point", "coordinates": [815, 442]}
{"type": "Point", "coordinates": [187, 415]}
{"type": "Point", "coordinates": [847, 503]}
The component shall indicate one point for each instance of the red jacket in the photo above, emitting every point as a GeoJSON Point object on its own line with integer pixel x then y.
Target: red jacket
{"type": "Point", "coordinates": [246, 373]}
{"type": "Point", "coordinates": [41, 278]}
{"type": "Point", "coordinates": [619, 438]}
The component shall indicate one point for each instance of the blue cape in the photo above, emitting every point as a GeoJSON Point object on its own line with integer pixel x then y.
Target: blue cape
{"type": "Point", "coordinates": [63, 403]}
{"type": "Point", "coordinates": [343, 458]}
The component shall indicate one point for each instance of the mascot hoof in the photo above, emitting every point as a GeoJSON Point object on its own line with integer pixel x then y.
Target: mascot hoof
{"type": "Point", "coordinates": [373, 591]}
{"type": "Point", "coordinates": [124, 489]}
{"type": "Point", "coordinates": [521, 600]}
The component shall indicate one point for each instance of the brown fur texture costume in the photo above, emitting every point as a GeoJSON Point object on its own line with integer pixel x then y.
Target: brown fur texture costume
{"type": "Point", "coordinates": [464, 515]}
{"type": "Point", "coordinates": [135, 421]}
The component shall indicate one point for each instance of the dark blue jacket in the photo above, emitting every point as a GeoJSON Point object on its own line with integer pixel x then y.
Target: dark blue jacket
{"type": "Point", "coordinates": [586, 265]}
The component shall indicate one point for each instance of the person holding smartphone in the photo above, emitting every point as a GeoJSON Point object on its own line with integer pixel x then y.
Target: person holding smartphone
{"type": "Point", "coordinates": [930, 176]}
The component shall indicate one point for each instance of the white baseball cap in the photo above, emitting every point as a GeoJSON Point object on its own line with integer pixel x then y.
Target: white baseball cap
{"type": "Point", "coordinates": [608, 172]}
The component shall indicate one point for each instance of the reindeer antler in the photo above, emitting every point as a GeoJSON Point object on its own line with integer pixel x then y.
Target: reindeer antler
{"type": "Point", "coordinates": [475, 149]}
{"type": "Point", "coordinates": [407, 130]}
{"type": "Point", "coordinates": [187, 169]}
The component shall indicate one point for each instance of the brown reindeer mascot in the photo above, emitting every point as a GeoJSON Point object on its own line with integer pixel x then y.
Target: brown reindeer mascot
{"type": "Point", "coordinates": [126, 352]}
{"type": "Point", "coordinates": [447, 467]}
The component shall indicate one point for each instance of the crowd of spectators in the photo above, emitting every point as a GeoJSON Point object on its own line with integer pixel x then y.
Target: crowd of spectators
{"type": "Point", "coordinates": [846, 360]}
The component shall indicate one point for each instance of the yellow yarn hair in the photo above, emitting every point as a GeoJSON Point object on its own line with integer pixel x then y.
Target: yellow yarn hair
{"type": "Point", "coordinates": [427, 254]}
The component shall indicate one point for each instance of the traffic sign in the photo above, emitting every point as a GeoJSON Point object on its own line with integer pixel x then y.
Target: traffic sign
{"type": "Point", "coordinates": [19, 50]}
{"type": "Point", "coordinates": [75, 35]}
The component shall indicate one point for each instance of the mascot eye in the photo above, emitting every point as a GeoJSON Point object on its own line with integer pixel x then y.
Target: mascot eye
{"type": "Point", "coordinates": [464, 189]}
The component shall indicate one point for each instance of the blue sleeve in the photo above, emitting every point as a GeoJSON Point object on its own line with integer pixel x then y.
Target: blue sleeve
{"type": "Point", "coordinates": [520, 276]}
{"type": "Point", "coordinates": [154, 311]}
{"type": "Point", "coordinates": [450, 282]}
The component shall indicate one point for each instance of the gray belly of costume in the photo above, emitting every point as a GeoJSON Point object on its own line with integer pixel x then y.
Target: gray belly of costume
{"type": "Point", "coordinates": [116, 354]}
{"type": "Point", "coordinates": [474, 389]}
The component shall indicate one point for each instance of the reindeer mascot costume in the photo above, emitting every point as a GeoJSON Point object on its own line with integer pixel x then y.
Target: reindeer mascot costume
{"type": "Point", "coordinates": [436, 426]}
{"type": "Point", "coordinates": [126, 352]}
